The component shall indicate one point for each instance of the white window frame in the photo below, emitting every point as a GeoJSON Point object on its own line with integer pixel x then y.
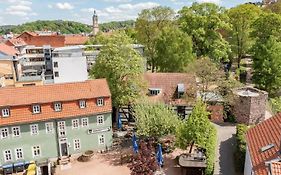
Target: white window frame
{"type": "Point", "coordinates": [85, 122]}
{"type": "Point", "coordinates": [49, 127]}
{"type": "Point", "coordinates": [100, 118]}
{"type": "Point", "coordinates": [14, 131]}
{"type": "Point", "coordinates": [36, 109]}
{"type": "Point", "coordinates": [5, 155]}
{"type": "Point", "coordinates": [6, 130]}
{"type": "Point", "coordinates": [73, 122]}
{"type": "Point", "coordinates": [76, 144]}
{"type": "Point", "coordinates": [82, 104]}
{"type": "Point", "coordinates": [58, 106]}
{"type": "Point", "coordinates": [61, 128]}
{"type": "Point", "coordinates": [100, 102]}
{"type": "Point", "coordinates": [101, 137]}
{"type": "Point", "coordinates": [31, 129]}
{"type": "Point", "coordinates": [36, 148]}
{"type": "Point", "coordinates": [19, 151]}
{"type": "Point", "coordinates": [5, 112]}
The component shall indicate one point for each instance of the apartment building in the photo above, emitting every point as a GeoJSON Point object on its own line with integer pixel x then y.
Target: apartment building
{"type": "Point", "coordinates": [46, 123]}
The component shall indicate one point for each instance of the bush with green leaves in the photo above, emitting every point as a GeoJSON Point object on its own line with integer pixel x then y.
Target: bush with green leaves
{"type": "Point", "coordinates": [275, 104]}
{"type": "Point", "coordinates": [155, 119]}
{"type": "Point", "coordinates": [240, 150]}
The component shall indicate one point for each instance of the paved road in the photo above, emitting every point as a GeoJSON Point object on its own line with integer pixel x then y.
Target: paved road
{"type": "Point", "coordinates": [224, 164]}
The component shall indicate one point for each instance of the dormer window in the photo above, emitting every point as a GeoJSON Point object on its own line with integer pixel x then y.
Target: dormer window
{"type": "Point", "coordinates": [5, 112]}
{"type": "Point", "coordinates": [36, 109]}
{"type": "Point", "coordinates": [180, 90]}
{"type": "Point", "coordinates": [100, 102]}
{"type": "Point", "coordinates": [82, 104]}
{"type": "Point", "coordinates": [154, 91]}
{"type": "Point", "coordinates": [57, 106]}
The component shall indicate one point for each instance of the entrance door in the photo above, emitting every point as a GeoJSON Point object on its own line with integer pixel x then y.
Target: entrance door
{"type": "Point", "coordinates": [64, 149]}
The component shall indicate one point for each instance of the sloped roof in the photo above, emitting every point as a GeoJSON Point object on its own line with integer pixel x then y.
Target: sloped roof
{"type": "Point", "coordinates": [27, 95]}
{"type": "Point", "coordinates": [168, 83]}
{"type": "Point", "coordinates": [16, 42]}
{"type": "Point", "coordinates": [263, 134]}
{"type": "Point", "coordinates": [75, 39]}
{"type": "Point", "coordinates": [8, 50]}
{"type": "Point", "coordinates": [276, 168]}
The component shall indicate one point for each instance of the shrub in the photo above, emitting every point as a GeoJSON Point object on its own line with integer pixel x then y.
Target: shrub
{"type": "Point", "coordinates": [240, 151]}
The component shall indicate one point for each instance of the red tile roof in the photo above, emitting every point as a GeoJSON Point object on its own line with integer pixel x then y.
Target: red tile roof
{"type": "Point", "coordinates": [8, 50]}
{"type": "Point", "coordinates": [20, 100]}
{"type": "Point", "coordinates": [16, 42]}
{"type": "Point", "coordinates": [75, 39]}
{"type": "Point", "coordinates": [261, 135]}
{"type": "Point", "coordinates": [168, 82]}
{"type": "Point", "coordinates": [12, 96]}
{"type": "Point", "coordinates": [276, 168]}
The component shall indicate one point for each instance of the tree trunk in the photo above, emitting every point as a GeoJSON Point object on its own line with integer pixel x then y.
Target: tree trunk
{"type": "Point", "coordinates": [190, 149]}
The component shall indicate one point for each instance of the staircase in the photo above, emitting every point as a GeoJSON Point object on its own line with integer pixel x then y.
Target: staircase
{"type": "Point", "coordinates": [64, 163]}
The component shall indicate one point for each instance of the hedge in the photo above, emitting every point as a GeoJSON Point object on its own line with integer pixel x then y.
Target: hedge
{"type": "Point", "coordinates": [240, 151]}
{"type": "Point", "coordinates": [211, 150]}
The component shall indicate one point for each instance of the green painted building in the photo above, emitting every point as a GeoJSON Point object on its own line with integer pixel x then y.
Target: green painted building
{"type": "Point", "coordinates": [47, 123]}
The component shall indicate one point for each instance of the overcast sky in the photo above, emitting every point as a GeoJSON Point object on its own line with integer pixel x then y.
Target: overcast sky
{"type": "Point", "coordinates": [21, 11]}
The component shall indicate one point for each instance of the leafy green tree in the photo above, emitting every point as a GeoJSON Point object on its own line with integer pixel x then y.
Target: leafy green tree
{"type": "Point", "coordinates": [267, 65]}
{"type": "Point", "coordinates": [275, 105]}
{"type": "Point", "coordinates": [241, 19]}
{"type": "Point", "coordinates": [155, 119]}
{"type": "Point", "coordinates": [149, 25]}
{"type": "Point", "coordinates": [208, 72]}
{"type": "Point", "coordinates": [266, 26]}
{"type": "Point", "coordinates": [123, 68]}
{"type": "Point", "coordinates": [174, 50]}
{"type": "Point", "coordinates": [204, 22]}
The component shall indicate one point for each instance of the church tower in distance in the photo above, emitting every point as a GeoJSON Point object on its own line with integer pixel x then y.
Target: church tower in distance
{"type": "Point", "coordinates": [95, 24]}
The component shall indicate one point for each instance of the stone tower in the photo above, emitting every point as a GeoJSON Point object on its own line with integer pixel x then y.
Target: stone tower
{"type": "Point", "coordinates": [95, 24]}
{"type": "Point", "coordinates": [250, 105]}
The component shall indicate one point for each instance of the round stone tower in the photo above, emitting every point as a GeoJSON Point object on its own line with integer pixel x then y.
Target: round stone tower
{"type": "Point", "coordinates": [95, 24]}
{"type": "Point", "coordinates": [250, 105]}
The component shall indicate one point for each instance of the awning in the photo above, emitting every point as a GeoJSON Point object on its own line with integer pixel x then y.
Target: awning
{"type": "Point", "coordinates": [19, 164]}
{"type": "Point", "coordinates": [7, 166]}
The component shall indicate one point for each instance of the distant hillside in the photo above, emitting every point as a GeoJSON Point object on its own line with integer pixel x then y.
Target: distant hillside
{"type": "Point", "coordinates": [65, 27]}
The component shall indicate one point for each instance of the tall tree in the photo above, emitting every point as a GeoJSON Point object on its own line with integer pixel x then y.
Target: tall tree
{"type": "Point", "coordinates": [123, 68]}
{"type": "Point", "coordinates": [155, 119]}
{"type": "Point", "coordinates": [174, 50]}
{"type": "Point", "coordinates": [205, 22]}
{"type": "Point", "coordinates": [241, 19]}
{"type": "Point", "coordinates": [267, 65]}
{"type": "Point", "coordinates": [149, 24]}
{"type": "Point", "coordinates": [267, 52]}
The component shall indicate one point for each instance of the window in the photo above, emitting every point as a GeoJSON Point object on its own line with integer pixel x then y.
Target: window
{"type": "Point", "coordinates": [36, 151]}
{"type": "Point", "coordinates": [56, 64]}
{"type": "Point", "coordinates": [77, 145]}
{"type": "Point", "coordinates": [101, 139]}
{"type": "Point", "coordinates": [75, 124]}
{"type": "Point", "coordinates": [19, 153]}
{"type": "Point", "coordinates": [100, 120]}
{"type": "Point", "coordinates": [49, 127]}
{"type": "Point", "coordinates": [100, 102]}
{"type": "Point", "coordinates": [5, 112]}
{"type": "Point", "coordinates": [57, 106]}
{"type": "Point", "coordinates": [36, 109]}
{"type": "Point", "coordinates": [57, 74]}
{"type": "Point", "coordinates": [7, 155]}
{"type": "Point", "coordinates": [82, 104]}
{"type": "Point", "coordinates": [4, 133]}
{"type": "Point", "coordinates": [34, 129]}
{"type": "Point", "coordinates": [85, 122]}
{"type": "Point", "coordinates": [16, 131]}
{"type": "Point", "coordinates": [154, 92]}
{"type": "Point", "coordinates": [61, 128]}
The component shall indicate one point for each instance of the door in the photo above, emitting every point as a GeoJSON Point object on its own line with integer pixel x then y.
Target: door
{"type": "Point", "coordinates": [64, 149]}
